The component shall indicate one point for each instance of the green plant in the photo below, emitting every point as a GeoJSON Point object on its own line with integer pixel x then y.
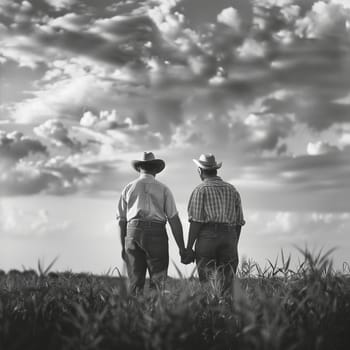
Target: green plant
{"type": "Point", "coordinates": [274, 307]}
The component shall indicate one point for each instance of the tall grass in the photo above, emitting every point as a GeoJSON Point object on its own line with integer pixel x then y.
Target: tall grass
{"type": "Point", "coordinates": [269, 308]}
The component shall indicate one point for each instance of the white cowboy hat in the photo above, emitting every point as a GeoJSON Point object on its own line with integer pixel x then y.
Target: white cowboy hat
{"type": "Point", "coordinates": [149, 158]}
{"type": "Point", "coordinates": [207, 161]}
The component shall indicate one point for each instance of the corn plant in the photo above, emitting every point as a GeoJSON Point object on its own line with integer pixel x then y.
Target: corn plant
{"type": "Point", "coordinates": [270, 307]}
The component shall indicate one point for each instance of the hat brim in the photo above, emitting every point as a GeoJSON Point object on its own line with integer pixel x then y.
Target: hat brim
{"type": "Point", "coordinates": [203, 166]}
{"type": "Point", "coordinates": [157, 164]}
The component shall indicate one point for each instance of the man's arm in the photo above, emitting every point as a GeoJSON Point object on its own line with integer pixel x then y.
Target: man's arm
{"type": "Point", "coordinates": [176, 229]}
{"type": "Point", "coordinates": [240, 218]}
{"type": "Point", "coordinates": [238, 230]}
{"type": "Point", "coordinates": [193, 233]}
{"type": "Point", "coordinates": [122, 233]}
{"type": "Point", "coordinates": [121, 219]}
{"type": "Point", "coordinates": [174, 220]}
{"type": "Point", "coordinates": [195, 215]}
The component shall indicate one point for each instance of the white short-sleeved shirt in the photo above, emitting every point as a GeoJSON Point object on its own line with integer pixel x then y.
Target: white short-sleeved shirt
{"type": "Point", "coordinates": [146, 199]}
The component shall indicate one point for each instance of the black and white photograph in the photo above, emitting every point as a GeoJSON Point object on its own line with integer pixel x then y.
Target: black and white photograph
{"type": "Point", "coordinates": [175, 174]}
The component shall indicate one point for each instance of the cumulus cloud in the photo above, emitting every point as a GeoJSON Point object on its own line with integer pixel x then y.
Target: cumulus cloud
{"type": "Point", "coordinates": [252, 49]}
{"type": "Point", "coordinates": [106, 120]}
{"type": "Point", "coordinates": [15, 146]}
{"type": "Point", "coordinates": [54, 131]}
{"type": "Point", "coordinates": [320, 147]}
{"type": "Point", "coordinates": [235, 134]}
{"type": "Point", "coordinates": [168, 21]}
{"type": "Point", "coordinates": [323, 20]}
{"type": "Point", "coordinates": [265, 131]}
{"type": "Point", "coordinates": [290, 12]}
{"type": "Point", "coordinates": [27, 167]}
{"type": "Point", "coordinates": [143, 75]}
{"type": "Point", "coordinates": [344, 3]}
{"type": "Point", "coordinates": [115, 133]}
{"type": "Point", "coordinates": [62, 99]}
{"type": "Point", "coordinates": [191, 61]}
{"type": "Point", "coordinates": [127, 139]}
{"type": "Point", "coordinates": [54, 176]}
{"type": "Point", "coordinates": [76, 34]}
{"type": "Point", "coordinates": [344, 135]}
{"type": "Point", "coordinates": [23, 179]}
{"type": "Point", "coordinates": [231, 18]}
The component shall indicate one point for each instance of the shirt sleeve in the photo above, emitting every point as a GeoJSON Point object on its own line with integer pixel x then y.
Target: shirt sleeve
{"type": "Point", "coordinates": [169, 206]}
{"type": "Point", "coordinates": [122, 206]}
{"type": "Point", "coordinates": [195, 206]}
{"type": "Point", "coordinates": [239, 212]}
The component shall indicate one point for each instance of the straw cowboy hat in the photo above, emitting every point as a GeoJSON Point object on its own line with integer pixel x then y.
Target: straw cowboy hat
{"type": "Point", "coordinates": [149, 158]}
{"type": "Point", "coordinates": [207, 161]}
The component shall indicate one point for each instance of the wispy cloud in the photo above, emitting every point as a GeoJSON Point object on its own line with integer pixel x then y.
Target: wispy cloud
{"type": "Point", "coordinates": [16, 222]}
{"type": "Point", "coordinates": [294, 225]}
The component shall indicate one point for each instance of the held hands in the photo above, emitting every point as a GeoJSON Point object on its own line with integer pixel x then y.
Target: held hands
{"type": "Point", "coordinates": [187, 256]}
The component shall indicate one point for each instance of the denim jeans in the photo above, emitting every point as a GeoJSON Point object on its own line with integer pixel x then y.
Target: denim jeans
{"type": "Point", "coordinates": [146, 248]}
{"type": "Point", "coordinates": [216, 253]}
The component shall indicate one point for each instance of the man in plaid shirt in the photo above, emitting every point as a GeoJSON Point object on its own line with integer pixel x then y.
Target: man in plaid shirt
{"type": "Point", "coordinates": [216, 217]}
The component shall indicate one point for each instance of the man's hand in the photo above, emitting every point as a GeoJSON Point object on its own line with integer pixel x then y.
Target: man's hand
{"type": "Point", "coordinates": [187, 256]}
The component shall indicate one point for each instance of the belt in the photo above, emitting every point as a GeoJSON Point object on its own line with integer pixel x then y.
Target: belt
{"type": "Point", "coordinates": [217, 226]}
{"type": "Point", "coordinates": [144, 223]}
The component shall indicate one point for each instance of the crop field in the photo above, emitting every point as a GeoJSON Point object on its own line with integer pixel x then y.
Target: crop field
{"type": "Point", "coordinates": [269, 308]}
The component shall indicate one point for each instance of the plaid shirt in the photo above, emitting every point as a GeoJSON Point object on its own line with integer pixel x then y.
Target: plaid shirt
{"type": "Point", "coordinates": [215, 200]}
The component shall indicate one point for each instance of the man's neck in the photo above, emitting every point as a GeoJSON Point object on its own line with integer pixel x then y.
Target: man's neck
{"type": "Point", "coordinates": [209, 177]}
{"type": "Point", "coordinates": [146, 174]}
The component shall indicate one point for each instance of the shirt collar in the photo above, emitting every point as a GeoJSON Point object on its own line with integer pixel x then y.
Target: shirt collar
{"type": "Point", "coordinates": [146, 176]}
{"type": "Point", "coordinates": [213, 178]}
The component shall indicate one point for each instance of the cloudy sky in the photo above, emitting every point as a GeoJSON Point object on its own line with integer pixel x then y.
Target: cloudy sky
{"type": "Point", "coordinates": [87, 86]}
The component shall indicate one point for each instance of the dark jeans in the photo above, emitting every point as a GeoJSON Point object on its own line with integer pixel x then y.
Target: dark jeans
{"type": "Point", "coordinates": [146, 247]}
{"type": "Point", "coordinates": [216, 253]}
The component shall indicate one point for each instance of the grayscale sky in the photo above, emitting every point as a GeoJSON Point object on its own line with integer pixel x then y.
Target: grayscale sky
{"type": "Point", "coordinates": [87, 86]}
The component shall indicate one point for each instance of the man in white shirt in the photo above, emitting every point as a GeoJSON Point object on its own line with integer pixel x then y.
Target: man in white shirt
{"type": "Point", "coordinates": [144, 207]}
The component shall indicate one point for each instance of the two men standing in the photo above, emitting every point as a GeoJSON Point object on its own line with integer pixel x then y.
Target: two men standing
{"type": "Point", "coordinates": [215, 215]}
